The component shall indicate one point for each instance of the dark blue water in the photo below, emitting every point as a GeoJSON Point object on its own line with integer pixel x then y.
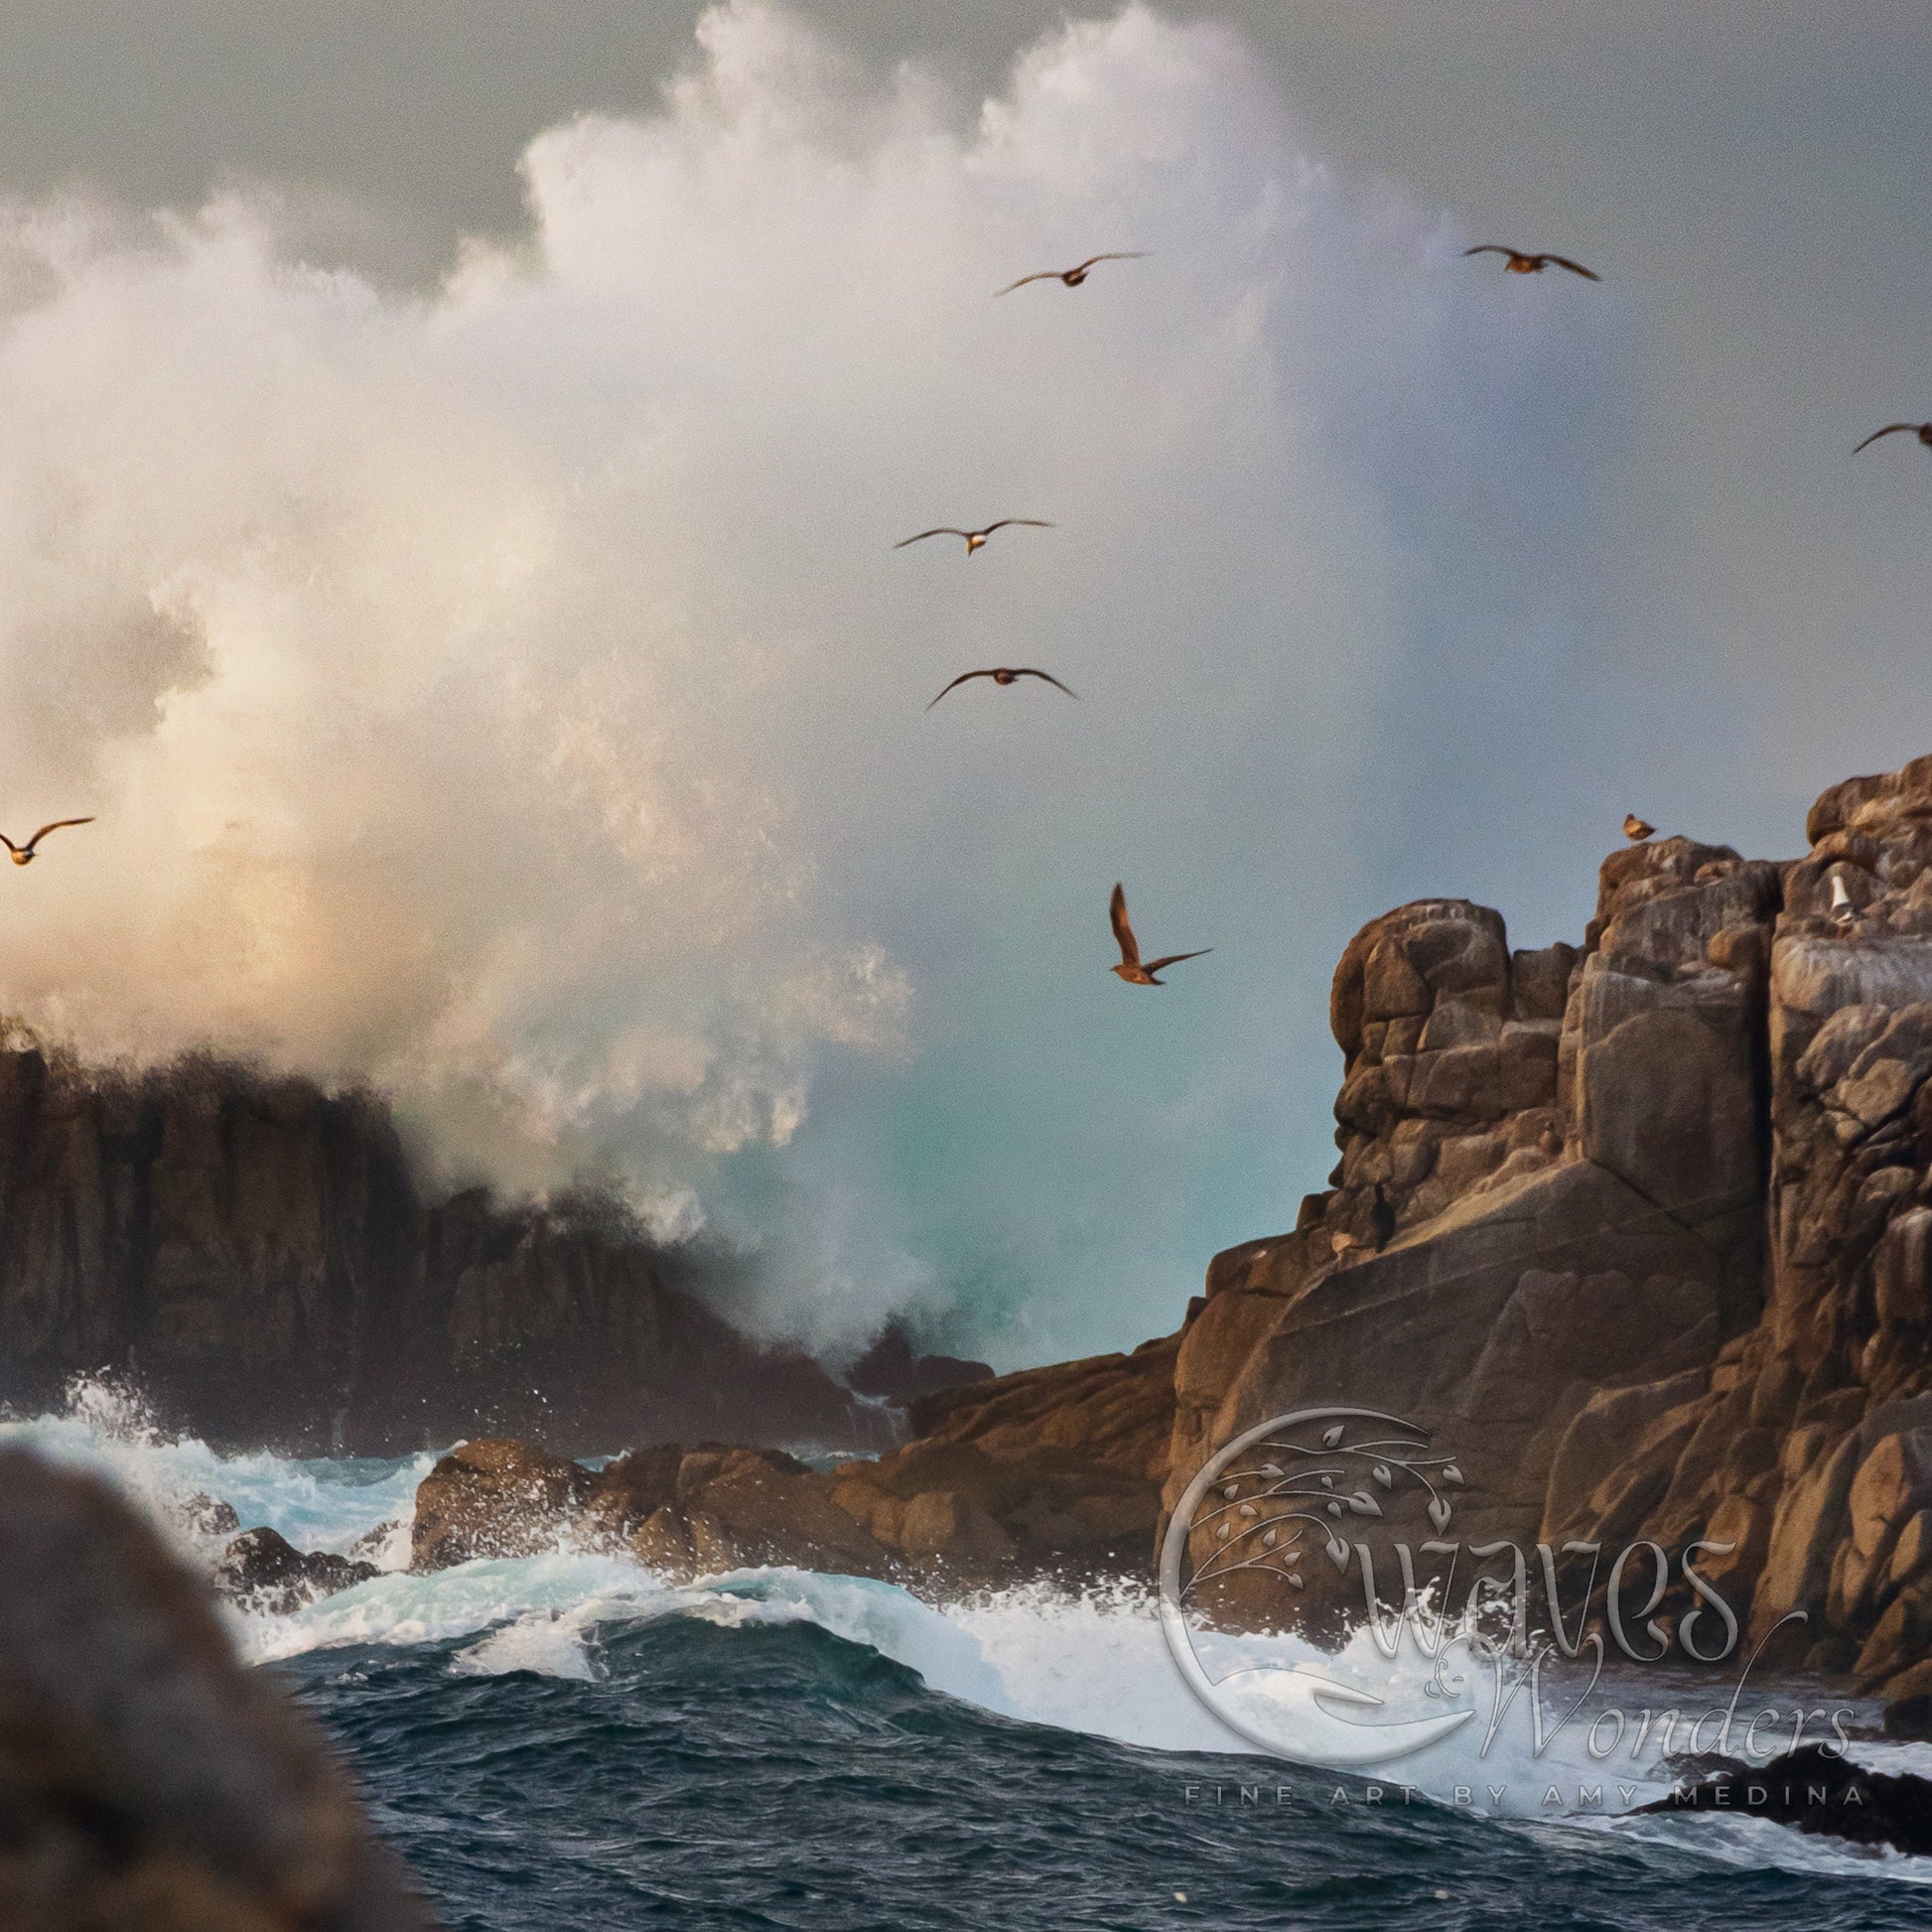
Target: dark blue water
{"type": "Point", "coordinates": [780, 1776]}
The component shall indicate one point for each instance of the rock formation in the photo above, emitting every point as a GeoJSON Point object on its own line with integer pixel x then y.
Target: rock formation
{"type": "Point", "coordinates": [1655, 1242]}
{"type": "Point", "coordinates": [255, 1251]}
{"type": "Point", "coordinates": [146, 1777]}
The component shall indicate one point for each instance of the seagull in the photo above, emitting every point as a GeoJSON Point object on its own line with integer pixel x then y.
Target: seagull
{"type": "Point", "coordinates": [1072, 277]}
{"type": "Point", "coordinates": [1923, 431]}
{"type": "Point", "coordinates": [1521, 264]}
{"type": "Point", "coordinates": [23, 855]}
{"type": "Point", "coordinates": [1130, 968]}
{"type": "Point", "coordinates": [974, 538]}
{"type": "Point", "coordinates": [1006, 676]}
{"type": "Point", "coordinates": [1636, 830]}
{"type": "Point", "coordinates": [1843, 911]}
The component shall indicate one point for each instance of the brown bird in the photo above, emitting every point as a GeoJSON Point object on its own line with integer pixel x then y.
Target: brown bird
{"type": "Point", "coordinates": [974, 538]}
{"type": "Point", "coordinates": [1636, 830]}
{"type": "Point", "coordinates": [1923, 431]}
{"type": "Point", "coordinates": [23, 855]}
{"type": "Point", "coordinates": [1130, 968]}
{"type": "Point", "coordinates": [1005, 675]}
{"type": "Point", "coordinates": [1072, 277]}
{"type": "Point", "coordinates": [1521, 264]}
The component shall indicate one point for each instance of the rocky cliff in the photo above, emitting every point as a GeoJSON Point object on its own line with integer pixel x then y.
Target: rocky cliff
{"type": "Point", "coordinates": [1641, 1229]}
{"type": "Point", "coordinates": [256, 1252]}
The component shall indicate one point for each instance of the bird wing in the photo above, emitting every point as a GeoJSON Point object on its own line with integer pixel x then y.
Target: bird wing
{"type": "Point", "coordinates": [960, 679]}
{"type": "Point", "coordinates": [1130, 951]}
{"type": "Point", "coordinates": [1575, 268]}
{"type": "Point", "coordinates": [1490, 248]}
{"type": "Point", "coordinates": [942, 531]}
{"type": "Point", "coordinates": [1890, 429]}
{"type": "Point", "coordinates": [8, 843]}
{"type": "Point", "coordinates": [1033, 521]}
{"type": "Point", "coordinates": [1044, 275]}
{"type": "Point", "coordinates": [1175, 960]}
{"type": "Point", "coordinates": [55, 827]}
{"type": "Point", "coordinates": [1024, 671]}
{"type": "Point", "coordinates": [1128, 255]}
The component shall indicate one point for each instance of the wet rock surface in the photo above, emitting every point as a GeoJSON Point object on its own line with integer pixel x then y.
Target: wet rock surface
{"type": "Point", "coordinates": [261, 1571]}
{"type": "Point", "coordinates": [1816, 1790]}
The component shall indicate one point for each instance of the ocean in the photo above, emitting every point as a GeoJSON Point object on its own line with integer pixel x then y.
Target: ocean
{"type": "Point", "coordinates": [571, 1742]}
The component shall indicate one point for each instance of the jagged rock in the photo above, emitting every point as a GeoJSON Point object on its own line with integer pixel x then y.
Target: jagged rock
{"type": "Point", "coordinates": [1818, 1790]}
{"type": "Point", "coordinates": [889, 1371]}
{"type": "Point", "coordinates": [259, 1249]}
{"type": "Point", "coordinates": [495, 1498]}
{"type": "Point", "coordinates": [147, 1778]}
{"type": "Point", "coordinates": [263, 1571]}
{"type": "Point", "coordinates": [206, 1516]}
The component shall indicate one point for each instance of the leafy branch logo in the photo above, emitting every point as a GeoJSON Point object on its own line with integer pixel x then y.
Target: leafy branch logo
{"type": "Point", "coordinates": [1261, 1510]}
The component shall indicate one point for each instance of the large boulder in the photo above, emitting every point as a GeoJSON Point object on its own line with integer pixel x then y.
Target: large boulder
{"type": "Point", "coordinates": [261, 1571]}
{"type": "Point", "coordinates": [146, 1777]}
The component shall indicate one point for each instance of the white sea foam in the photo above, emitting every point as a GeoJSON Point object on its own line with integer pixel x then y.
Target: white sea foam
{"type": "Point", "coordinates": [1094, 1662]}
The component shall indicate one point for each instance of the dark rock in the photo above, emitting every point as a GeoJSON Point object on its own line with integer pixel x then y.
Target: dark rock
{"type": "Point", "coordinates": [1818, 1791]}
{"type": "Point", "coordinates": [262, 1571]}
{"type": "Point", "coordinates": [146, 1777]}
{"type": "Point", "coordinates": [889, 1371]}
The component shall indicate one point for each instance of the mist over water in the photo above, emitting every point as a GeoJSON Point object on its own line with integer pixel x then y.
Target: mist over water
{"type": "Point", "coordinates": [509, 695]}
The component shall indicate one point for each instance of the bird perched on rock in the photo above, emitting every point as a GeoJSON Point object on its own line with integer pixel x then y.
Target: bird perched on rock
{"type": "Point", "coordinates": [1006, 676]}
{"type": "Point", "coordinates": [975, 539]}
{"type": "Point", "coordinates": [1636, 830]}
{"type": "Point", "coordinates": [1130, 968]}
{"type": "Point", "coordinates": [1923, 431]}
{"type": "Point", "coordinates": [1072, 277]}
{"type": "Point", "coordinates": [1519, 263]}
{"type": "Point", "coordinates": [24, 855]}
{"type": "Point", "coordinates": [1843, 911]}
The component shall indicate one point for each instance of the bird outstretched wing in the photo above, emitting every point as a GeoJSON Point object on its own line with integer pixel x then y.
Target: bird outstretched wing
{"type": "Point", "coordinates": [1175, 960]}
{"type": "Point", "coordinates": [1024, 671]}
{"type": "Point", "coordinates": [1575, 268]}
{"type": "Point", "coordinates": [53, 827]}
{"type": "Point", "coordinates": [942, 531]}
{"type": "Point", "coordinates": [1890, 429]}
{"type": "Point", "coordinates": [1490, 248]}
{"type": "Point", "coordinates": [1044, 275]}
{"type": "Point", "coordinates": [1032, 522]}
{"type": "Point", "coordinates": [1125, 255]}
{"type": "Point", "coordinates": [1130, 951]}
{"type": "Point", "coordinates": [962, 678]}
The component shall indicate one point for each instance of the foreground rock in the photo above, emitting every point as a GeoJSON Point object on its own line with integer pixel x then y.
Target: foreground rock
{"type": "Point", "coordinates": [146, 1777]}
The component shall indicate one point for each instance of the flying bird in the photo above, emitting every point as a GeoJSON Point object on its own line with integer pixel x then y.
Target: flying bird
{"type": "Point", "coordinates": [1072, 277]}
{"type": "Point", "coordinates": [23, 855]}
{"type": "Point", "coordinates": [1923, 431]}
{"type": "Point", "coordinates": [974, 538]}
{"type": "Point", "coordinates": [1519, 263]}
{"type": "Point", "coordinates": [1006, 676]}
{"type": "Point", "coordinates": [1636, 830]}
{"type": "Point", "coordinates": [1130, 968]}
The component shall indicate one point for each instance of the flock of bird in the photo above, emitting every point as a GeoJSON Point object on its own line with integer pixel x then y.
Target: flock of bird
{"type": "Point", "coordinates": [1131, 969]}
{"type": "Point", "coordinates": [1516, 261]}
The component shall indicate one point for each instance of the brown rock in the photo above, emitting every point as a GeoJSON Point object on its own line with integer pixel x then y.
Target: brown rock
{"type": "Point", "coordinates": [942, 1526]}
{"type": "Point", "coordinates": [261, 1571]}
{"type": "Point", "coordinates": [147, 1778]}
{"type": "Point", "coordinates": [495, 1498]}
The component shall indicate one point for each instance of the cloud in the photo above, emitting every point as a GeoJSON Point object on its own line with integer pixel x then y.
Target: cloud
{"type": "Point", "coordinates": [512, 696]}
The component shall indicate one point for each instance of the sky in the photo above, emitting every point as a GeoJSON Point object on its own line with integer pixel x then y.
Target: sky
{"type": "Point", "coordinates": [455, 452]}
